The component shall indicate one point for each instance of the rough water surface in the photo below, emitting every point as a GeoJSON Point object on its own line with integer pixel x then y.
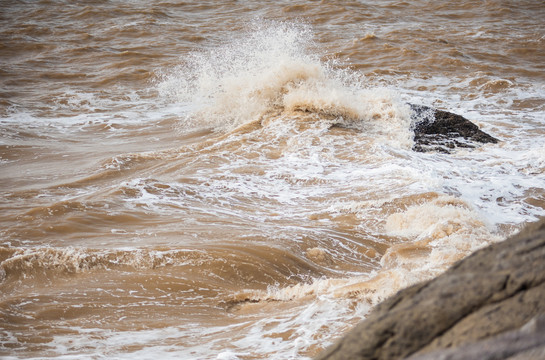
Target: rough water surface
{"type": "Point", "coordinates": [236, 180]}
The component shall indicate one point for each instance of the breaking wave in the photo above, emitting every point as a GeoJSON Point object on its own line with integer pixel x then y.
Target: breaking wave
{"type": "Point", "coordinates": [273, 68]}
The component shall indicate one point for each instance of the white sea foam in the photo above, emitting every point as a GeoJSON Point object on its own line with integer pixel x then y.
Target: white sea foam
{"type": "Point", "coordinates": [440, 231]}
{"type": "Point", "coordinates": [272, 67]}
{"type": "Point", "coordinates": [286, 333]}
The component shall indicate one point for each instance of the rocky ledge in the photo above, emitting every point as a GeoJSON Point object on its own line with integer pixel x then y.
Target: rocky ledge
{"type": "Point", "coordinates": [490, 305]}
{"type": "Point", "coordinates": [442, 131]}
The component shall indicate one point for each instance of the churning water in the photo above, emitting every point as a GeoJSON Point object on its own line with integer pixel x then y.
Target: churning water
{"type": "Point", "coordinates": [235, 179]}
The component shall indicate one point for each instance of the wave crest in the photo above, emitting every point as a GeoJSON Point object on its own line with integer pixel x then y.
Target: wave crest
{"type": "Point", "coordinates": [272, 67]}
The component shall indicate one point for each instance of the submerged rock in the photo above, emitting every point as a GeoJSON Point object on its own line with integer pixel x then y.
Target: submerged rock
{"type": "Point", "coordinates": [442, 131]}
{"type": "Point", "coordinates": [490, 305]}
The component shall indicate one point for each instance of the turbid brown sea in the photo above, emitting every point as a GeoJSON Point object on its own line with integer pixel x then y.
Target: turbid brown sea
{"type": "Point", "coordinates": [236, 179]}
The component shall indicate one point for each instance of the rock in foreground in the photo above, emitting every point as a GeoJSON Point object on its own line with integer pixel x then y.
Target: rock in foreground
{"type": "Point", "coordinates": [442, 131]}
{"type": "Point", "coordinates": [490, 305]}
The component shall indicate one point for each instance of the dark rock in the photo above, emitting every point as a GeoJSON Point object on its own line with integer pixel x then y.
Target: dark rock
{"type": "Point", "coordinates": [475, 310]}
{"type": "Point", "coordinates": [442, 131]}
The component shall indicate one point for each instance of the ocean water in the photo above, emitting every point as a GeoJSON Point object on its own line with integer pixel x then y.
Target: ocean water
{"type": "Point", "coordinates": [235, 180]}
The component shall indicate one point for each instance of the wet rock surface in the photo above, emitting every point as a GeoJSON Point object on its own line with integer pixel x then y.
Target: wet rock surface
{"type": "Point", "coordinates": [442, 131]}
{"type": "Point", "coordinates": [490, 305]}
